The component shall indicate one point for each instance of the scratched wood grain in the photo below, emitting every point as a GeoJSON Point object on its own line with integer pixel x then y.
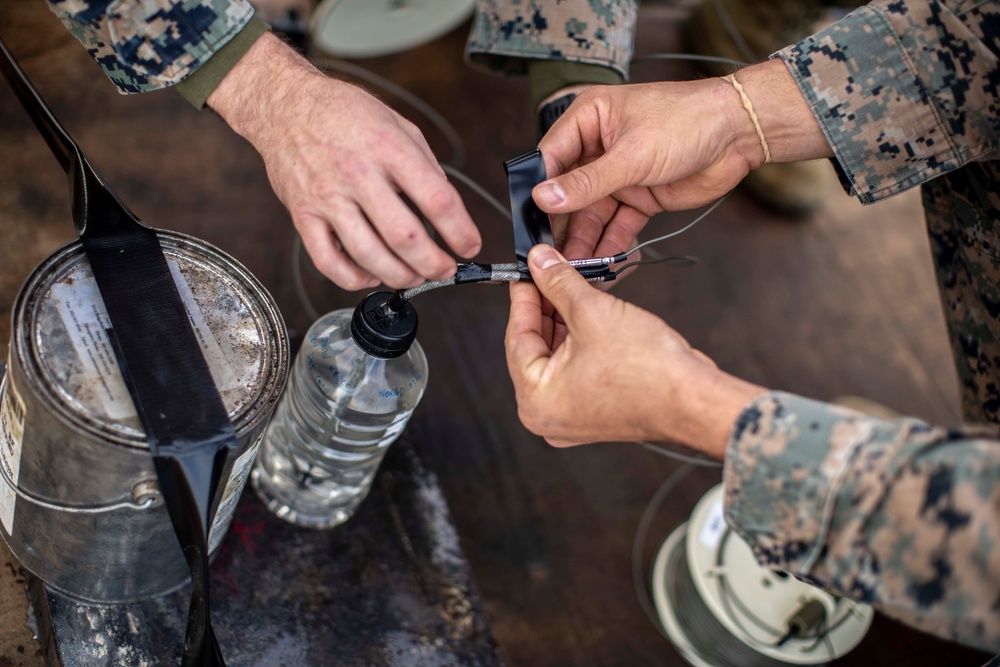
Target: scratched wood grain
{"type": "Point", "coordinates": [841, 303]}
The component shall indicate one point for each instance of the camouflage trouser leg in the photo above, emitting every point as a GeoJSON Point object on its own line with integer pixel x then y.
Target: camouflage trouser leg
{"type": "Point", "coordinates": [764, 26]}
{"type": "Point", "coordinates": [965, 244]}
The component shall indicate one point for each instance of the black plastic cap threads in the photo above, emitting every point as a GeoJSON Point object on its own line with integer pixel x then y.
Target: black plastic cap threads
{"type": "Point", "coordinates": [384, 325]}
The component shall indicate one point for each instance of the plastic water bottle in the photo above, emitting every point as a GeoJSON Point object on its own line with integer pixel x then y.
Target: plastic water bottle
{"type": "Point", "coordinates": [353, 387]}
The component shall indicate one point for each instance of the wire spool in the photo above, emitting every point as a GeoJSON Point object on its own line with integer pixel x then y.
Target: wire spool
{"type": "Point", "coordinates": [721, 609]}
{"type": "Point", "coordinates": [369, 28]}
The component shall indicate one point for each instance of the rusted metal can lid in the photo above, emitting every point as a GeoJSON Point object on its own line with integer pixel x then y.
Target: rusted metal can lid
{"type": "Point", "coordinates": [63, 337]}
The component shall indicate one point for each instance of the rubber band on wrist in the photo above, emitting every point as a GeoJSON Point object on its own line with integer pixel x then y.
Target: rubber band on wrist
{"type": "Point", "coordinates": [731, 78]}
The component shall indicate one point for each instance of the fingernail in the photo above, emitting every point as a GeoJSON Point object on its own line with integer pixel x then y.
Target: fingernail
{"type": "Point", "coordinates": [544, 256]}
{"type": "Point", "coordinates": [551, 193]}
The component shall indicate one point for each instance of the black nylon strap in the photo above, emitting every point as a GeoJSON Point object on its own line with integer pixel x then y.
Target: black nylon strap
{"type": "Point", "coordinates": [551, 112]}
{"type": "Point", "coordinates": [184, 418]}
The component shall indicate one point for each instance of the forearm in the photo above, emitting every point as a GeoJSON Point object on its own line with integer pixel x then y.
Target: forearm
{"type": "Point", "coordinates": [789, 126]}
{"type": "Point", "coordinates": [253, 94]}
{"type": "Point", "coordinates": [898, 514]}
{"type": "Point", "coordinates": [709, 402]}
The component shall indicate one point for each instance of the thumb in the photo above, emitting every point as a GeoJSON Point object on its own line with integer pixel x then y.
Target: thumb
{"type": "Point", "coordinates": [584, 185]}
{"type": "Point", "coordinates": [559, 282]}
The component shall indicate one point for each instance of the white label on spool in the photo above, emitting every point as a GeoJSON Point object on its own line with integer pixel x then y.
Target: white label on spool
{"type": "Point", "coordinates": [231, 495]}
{"type": "Point", "coordinates": [12, 433]}
{"type": "Point", "coordinates": [86, 320]}
{"type": "Point", "coordinates": [714, 526]}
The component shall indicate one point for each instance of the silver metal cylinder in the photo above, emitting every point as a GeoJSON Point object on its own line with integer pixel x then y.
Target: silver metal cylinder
{"type": "Point", "coordinates": [80, 505]}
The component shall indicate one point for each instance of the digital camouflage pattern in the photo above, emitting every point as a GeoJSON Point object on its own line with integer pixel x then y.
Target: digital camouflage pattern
{"type": "Point", "coordinates": [507, 33]}
{"type": "Point", "coordinates": [897, 514]}
{"type": "Point", "coordinates": [143, 45]}
{"type": "Point", "coordinates": [926, 67]}
{"type": "Point", "coordinates": [900, 514]}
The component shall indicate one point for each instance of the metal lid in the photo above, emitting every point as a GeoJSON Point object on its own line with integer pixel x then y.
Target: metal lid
{"type": "Point", "coordinates": [384, 325]}
{"type": "Point", "coordinates": [237, 323]}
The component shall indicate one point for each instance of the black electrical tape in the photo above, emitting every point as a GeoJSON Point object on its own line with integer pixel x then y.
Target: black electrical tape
{"type": "Point", "coordinates": [531, 224]}
{"type": "Point", "coordinates": [473, 272]}
{"type": "Point", "coordinates": [595, 272]}
{"type": "Point", "coordinates": [551, 112]}
{"type": "Point", "coordinates": [184, 418]}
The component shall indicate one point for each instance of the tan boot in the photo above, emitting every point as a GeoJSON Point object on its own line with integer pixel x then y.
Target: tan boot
{"type": "Point", "coordinates": [749, 31]}
{"type": "Point", "coordinates": [867, 406]}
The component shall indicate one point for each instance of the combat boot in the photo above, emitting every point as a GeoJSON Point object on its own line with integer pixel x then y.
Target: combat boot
{"type": "Point", "coordinates": [749, 31]}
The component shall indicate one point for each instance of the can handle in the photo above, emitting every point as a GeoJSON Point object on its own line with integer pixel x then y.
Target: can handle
{"type": "Point", "coordinates": [74, 509]}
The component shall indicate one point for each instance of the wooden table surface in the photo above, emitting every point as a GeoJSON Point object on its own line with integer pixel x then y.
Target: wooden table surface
{"type": "Point", "coordinates": [843, 302]}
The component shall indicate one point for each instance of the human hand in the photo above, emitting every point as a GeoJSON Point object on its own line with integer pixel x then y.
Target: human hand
{"type": "Point", "coordinates": [621, 154]}
{"type": "Point", "coordinates": [613, 371]}
{"type": "Point", "coordinates": [339, 160]}
{"type": "Point", "coordinates": [579, 234]}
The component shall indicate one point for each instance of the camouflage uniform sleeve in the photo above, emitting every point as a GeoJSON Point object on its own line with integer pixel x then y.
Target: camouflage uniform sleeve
{"type": "Point", "coordinates": [144, 45]}
{"type": "Point", "coordinates": [904, 90]}
{"type": "Point", "coordinates": [507, 34]}
{"type": "Point", "coordinates": [898, 514]}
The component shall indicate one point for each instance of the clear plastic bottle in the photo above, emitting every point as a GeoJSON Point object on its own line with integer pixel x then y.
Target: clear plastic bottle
{"type": "Point", "coordinates": [353, 387]}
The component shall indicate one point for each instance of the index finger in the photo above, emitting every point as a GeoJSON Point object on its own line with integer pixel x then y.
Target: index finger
{"type": "Point", "coordinates": [524, 341]}
{"type": "Point", "coordinates": [427, 186]}
{"type": "Point", "coordinates": [562, 145]}
{"type": "Point", "coordinates": [574, 136]}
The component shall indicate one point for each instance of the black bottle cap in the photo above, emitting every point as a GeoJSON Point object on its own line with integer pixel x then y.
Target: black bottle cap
{"type": "Point", "coordinates": [384, 325]}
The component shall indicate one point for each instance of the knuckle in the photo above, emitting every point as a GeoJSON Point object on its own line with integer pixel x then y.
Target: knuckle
{"type": "Point", "coordinates": [351, 283]}
{"type": "Point", "coordinates": [437, 267]}
{"type": "Point", "coordinates": [560, 278]}
{"type": "Point", "coordinates": [440, 202]}
{"type": "Point", "coordinates": [328, 189]}
{"type": "Point", "coordinates": [584, 181]}
{"type": "Point", "coordinates": [402, 279]}
{"type": "Point", "coordinates": [592, 218]}
{"type": "Point", "coordinates": [401, 235]}
{"type": "Point", "coordinates": [330, 267]}
{"type": "Point", "coordinates": [303, 216]}
{"type": "Point", "coordinates": [386, 140]}
{"type": "Point", "coordinates": [354, 172]}
{"type": "Point", "coordinates": [530, 418]}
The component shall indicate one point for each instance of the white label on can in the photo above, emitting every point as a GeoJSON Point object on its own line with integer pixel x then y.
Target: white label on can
{"type": "Point", "coordinates": [231, 495]}
{"type": "Point", "coordinates": [86, 320]}
{"type": "Point", "coordinates": [11, 436]}
{"type": "Point", "coordinates": [714, 526]}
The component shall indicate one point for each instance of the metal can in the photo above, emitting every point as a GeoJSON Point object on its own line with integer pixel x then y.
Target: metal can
{"type": "Point", "coordinates": [80, 505]}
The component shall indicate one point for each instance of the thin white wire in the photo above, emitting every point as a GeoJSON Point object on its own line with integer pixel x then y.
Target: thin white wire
{"type": "Point", "coordinates": [478, 189]}
{"type": "Point", "coordinates": [734, 32]}
{"type": "Point", "coordinates": [683, 229]}
{"type": "Point", "coordinates": [639, 544]}
{"type": "Point", "coordinates": [300, 288]}
{"type": "Point", "coordinates": [671, 454]}
{"type": "Point", "coordinates": [688, 56]}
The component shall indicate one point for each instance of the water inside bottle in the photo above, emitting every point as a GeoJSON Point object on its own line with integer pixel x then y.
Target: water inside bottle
{"type": "Point", "coordinates": [342, 410]}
